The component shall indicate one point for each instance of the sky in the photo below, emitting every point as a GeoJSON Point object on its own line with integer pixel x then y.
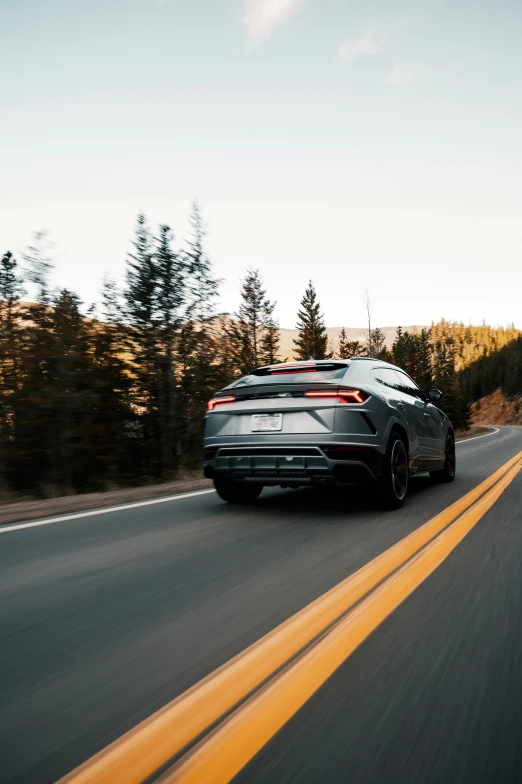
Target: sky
{"type": "Point", "coordinates": [370, 145]}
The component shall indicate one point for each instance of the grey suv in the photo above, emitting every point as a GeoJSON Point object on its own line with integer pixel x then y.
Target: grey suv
{"type": "Point", "coordinates": [324, 423]}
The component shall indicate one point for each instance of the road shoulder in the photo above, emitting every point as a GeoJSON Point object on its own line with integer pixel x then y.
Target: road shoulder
{"type": "Point", "coordinates": [21, 511]}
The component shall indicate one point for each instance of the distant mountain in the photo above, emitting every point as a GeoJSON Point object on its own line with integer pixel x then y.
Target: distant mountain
{"type": "Point", "coordinates": [354, 333]}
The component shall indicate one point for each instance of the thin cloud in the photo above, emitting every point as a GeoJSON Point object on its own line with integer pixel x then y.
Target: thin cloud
{"type": "Point", "coordinates": [404, 73]}
{"type": "Point", "coordinates": [261, 18]}
{"type": "Point", "coordinates": [352, 49]}
{"type": "Point", "coordinates": [370, 43]}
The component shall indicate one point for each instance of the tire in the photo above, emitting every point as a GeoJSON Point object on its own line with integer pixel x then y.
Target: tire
{"type": "Point", "coordinates": [447, 474]}
{"type": "Point", "coordinates": [392, 485]}
{"type": "Point", "coordinates": [237, 492]}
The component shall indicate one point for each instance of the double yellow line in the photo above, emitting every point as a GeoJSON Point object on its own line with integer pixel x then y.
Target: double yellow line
{"type": "Point", "coordinates": [246, 701]}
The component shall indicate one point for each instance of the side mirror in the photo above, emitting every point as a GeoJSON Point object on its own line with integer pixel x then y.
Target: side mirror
{"type": "Point", "coordinates": [434, 395]}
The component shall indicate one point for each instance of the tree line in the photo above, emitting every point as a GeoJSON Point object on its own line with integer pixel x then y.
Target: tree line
{"type": "Point", "coordinates": [116, 394]}
{"type": "Point", "coordinates": [465, 362]}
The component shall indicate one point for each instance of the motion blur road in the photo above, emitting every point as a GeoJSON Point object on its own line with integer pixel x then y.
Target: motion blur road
{"type": "Point", "coordinates": [104, 619]}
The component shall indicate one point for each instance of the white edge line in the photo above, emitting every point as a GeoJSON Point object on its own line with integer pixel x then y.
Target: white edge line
{"type": "Point", "coordinates": [474, 438]}
{"type": "Point", "coordinates": [106, 510]}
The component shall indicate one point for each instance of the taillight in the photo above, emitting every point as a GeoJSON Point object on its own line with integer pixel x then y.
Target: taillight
{"type": "Point", "coordinates": [352, 396]}
{"type": "Point", "coordinates": [343, 395]}
{"type": "Point", "coordinates": [218, 401]}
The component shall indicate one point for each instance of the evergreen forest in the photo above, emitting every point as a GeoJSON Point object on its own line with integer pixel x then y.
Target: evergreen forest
{"type": "Point", "coordinates": [115, 394]}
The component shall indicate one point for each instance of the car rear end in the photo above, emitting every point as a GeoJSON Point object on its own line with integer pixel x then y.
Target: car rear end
{"type": "Point", "coordinates": [295, 424]}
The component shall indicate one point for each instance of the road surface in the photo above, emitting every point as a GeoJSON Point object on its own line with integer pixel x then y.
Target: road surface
{"type": "Point", "coordinates": [106, 618]}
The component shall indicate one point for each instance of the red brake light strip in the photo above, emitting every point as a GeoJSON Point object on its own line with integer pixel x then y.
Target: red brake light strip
{"type": "Point", "coordinates": [342, 394]}
{"type": "Point", "coordinates": [217, 401]}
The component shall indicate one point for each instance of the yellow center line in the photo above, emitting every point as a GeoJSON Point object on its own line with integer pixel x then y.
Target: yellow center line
{"type": "Point", "coordinates": [141, 751]}
{"type": "Point", "coordinates": [220, 756]}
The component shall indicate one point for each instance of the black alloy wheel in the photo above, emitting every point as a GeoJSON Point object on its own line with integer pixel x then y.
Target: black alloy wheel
{"type": "Point", "coordinates": [447, 474]}
{"type": "Point", "coordinates": [393, 483]}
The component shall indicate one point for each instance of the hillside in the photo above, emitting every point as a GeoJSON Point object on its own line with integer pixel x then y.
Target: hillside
{"type": "Point", "coordinates": [354, 333]}
{"type": "Point", "coordinates": [287, 335]}
{"type": "Point", "coordinates": [497, 409]}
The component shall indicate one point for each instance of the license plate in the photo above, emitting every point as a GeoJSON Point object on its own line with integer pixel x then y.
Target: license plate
{"type": "Point", "coordinates": [262, 423]}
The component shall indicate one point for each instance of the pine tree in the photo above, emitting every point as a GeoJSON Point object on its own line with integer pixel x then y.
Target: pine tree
{"type": "Point", "coordinates": [228, 356]}
{"type": "Point", "coordinates": [347, 348]}
{"type": "Point", "coordinates": [170, 294]}
{"type": "Point", "coordinates": [269, 354]}
{"type": "Point", "coordinates": [354, 348]}
{"type": "Point", "coordinates": [11, 286]}
{"type": "Point", "coordinates": [140, 298]}
{"type": "Point", "coordinates": [141, 279]}
{"type": "Point", "coordinates": [377, 345]}
{"type": "Point", "coordinates": [456, 403]}
{"type": "Point", "coordinates": [342, 344]}
{"type": "Point", "coordinates": [199, 334]}
{"type": "Point", "coordinates": [170, 280]}
{"type": "Point", "coordinates": [312, 339]}
{"type": "Point", "coordinates": [404, 352]}
{"type": "Point", "coordinates": [39, 265]}
{"type": "Point", "coordinates": [399, 350]}
{"type": "Point", "coordinates": [252, 310]}
{"type": "Point", "coordinates": [424, 372]}
{"type": "Point", "coordinates": [238, 354]}
{"type": "Point", "coordinates": [202, 284]}
{"type": "Point", "coordinates": [11, 289]}
{"type": "Point", "coordinates": [412, 352]}
{"type": "Point", "coordinates": [255, 329]}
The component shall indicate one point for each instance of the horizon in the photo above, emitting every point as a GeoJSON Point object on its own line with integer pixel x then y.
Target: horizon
{"type": "Point", "coordinates": [362, 329]}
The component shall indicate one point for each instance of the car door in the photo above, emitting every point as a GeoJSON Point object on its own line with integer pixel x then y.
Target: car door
{"type": "Point", "coordinates": [406, 402]}
{"type": "Point", "coordinates": [430, 423]}
{"type": "Point", "coordinates": [437, 435]}
{"type": "Point", "coordinates": [418, 411]}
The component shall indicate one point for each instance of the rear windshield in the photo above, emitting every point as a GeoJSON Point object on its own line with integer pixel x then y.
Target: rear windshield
{"type": "Point", "coordinates": [291, 376]}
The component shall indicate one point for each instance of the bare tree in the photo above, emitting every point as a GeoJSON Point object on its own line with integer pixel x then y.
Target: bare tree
{"type": "Point", "coordinates": [368, 308]}
{"type": "Point", "coordinates": [376, 339]}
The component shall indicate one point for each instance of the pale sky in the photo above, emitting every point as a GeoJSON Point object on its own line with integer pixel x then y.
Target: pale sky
{"type": "Point", "coordinates": [372, 144]}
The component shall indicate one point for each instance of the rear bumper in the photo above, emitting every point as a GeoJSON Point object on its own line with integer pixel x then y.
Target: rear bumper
{"type": "Point", "coordinates": [293, 465]}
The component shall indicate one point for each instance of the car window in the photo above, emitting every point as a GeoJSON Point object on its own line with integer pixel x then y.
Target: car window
{"type": "Point", "coordinates": [286, 376]}
{"type": "Point", "coordinates": [389, 377]}
{"type": "Point", "coordinates": [409, 386]}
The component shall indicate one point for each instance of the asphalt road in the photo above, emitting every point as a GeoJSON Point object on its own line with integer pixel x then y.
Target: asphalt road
{"type": "Point", "coordinates": [104, 619]}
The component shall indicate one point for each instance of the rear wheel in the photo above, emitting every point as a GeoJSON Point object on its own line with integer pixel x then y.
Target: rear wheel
{"type": "Point", "coordinates": [237, 492]}
{"type": "Point", "coordinates": [392, 486]}
{"type": "Point", "coordinates": [447, 474]}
